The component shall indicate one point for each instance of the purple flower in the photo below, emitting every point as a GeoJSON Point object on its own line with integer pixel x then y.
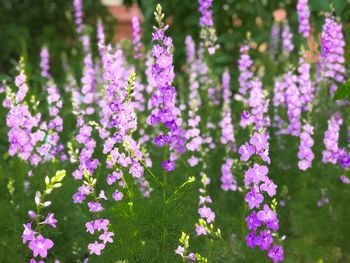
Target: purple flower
{"type": "Point", "coordinates": [168, 165]}
{"type": "Point", "coordinates": [252, 221]}
{"type": "Point", "coordinates": [287, 40]}
{"type": "Point", "coordinates": [304, 13]}
{"type": "Point", "coordinates": [332, 52]}
{"type": "Point", "coordinates": [254, 199]}
{"type": "Point", "coordinates": [40, 245]}
{"type": "Point", "coordinates": [50, 220]}
{"type": "Point", "coordinates": [180, 250]}
{"type": "Point", "coordinates": [259, 140]}
{"type": "Point", "coordinates": [117, 196]}
{"type": "Point", "coordinates": [96, 248]}
{"type": "Point", "coordinates": [28, 233]}
{"type": "Point", "coordinates": [200, 230]}
{"type": "Point", "coordinates": [276, 253]}
{"type": "Point", "coordinates": [95, 207]}
{"type": "Point", "coordinates": [246, 150]}
{"type": "Point", "coordinates": [265, 239]}
{"type": "Point", "coordinates": [106, 237]}
{"type": "Point", "coordinates": [269, 187]}
{"type": "Point", "coordinates": [206, 212]}
{"type": "Point", "coordinates": [344, 179]}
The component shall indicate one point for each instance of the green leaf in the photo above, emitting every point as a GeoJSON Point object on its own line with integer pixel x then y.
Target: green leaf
{"type": "Point", "coordinates": [323, 5]}
{"type": "Point", "coordinates": [343, 92]}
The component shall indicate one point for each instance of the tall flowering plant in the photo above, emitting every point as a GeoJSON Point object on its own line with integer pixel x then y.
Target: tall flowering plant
{"type": "Point", "coordinates": [163, 99]}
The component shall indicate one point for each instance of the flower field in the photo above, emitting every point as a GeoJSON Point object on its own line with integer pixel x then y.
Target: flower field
{"type": "Point", "coordinates": [218, 132]}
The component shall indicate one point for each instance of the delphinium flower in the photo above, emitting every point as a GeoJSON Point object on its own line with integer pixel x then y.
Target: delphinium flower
{"type": "Point", "coordinates": [330, 140]}
{"type": "Point", "coordinates": [287, 40]}
{"type": "Point", "coordinates": [205, 225]}
{"type": "Point", "coordinates": [304, 13]}
{"type": "Point", "coordinates": [258, 104]}
{"type": "Point", "coordinates": [274, 39]}
{"type": "Point", "coordinates": [228, 181]}
{"type": "Point", "coordinates": [332, 52]}
{"type": "Point", "coordinates": [305, 85]}
{"type": "Point", "coordinates": [51, 146]}
{"type": "Point", "coordinates": [227, 134]}
{"type": "Point", "coordinates": [136, 41]}
{"type": "Point", "coordinates": [183, 251]}
{"type": "Point", "coordinates": [193, 133]}
{"type": "Point", "coordinates": [208, 32]}
{"type": "Point", "coordinates": [100, 226]}
{"type": "Point", "coordinates": [88, 77]}
{"type": "Point", "coordinates": [100, 38]}
{"type": "Point", "coordinates": [305, 153]}
{"type": "Point", "coordinates": [279, 101]}
{"type": "Point", "coordinates": [19, 119]}
{"type": "Point", "coordinates": [245, 64]}
{"type": "Point", "coordinates": [294, 104]}
{"type": "Point", "coordinates": [262, 221]}
{"type": "Point", "coordinates": [163, 99]}
{"type": "Point", "coordinates": [44, 63]}
{"type": "Point", "coordinates": [78, 15]}
{"type": "Point", "coordinates": [124, 122]}
{"type": "Point", "coordinates": [38, 244]}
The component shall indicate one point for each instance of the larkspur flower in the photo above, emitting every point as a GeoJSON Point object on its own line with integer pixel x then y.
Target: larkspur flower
{"type": "Point", "coordinates": [28, 233]}
{"type": "Point", "coordinates": [40, 246]}
{"type": "Point", "coordinates": [96, 248]}
{"type": "Point", "coordinates": [287, 40]}
{"type": "Point", "coordinates": [163, 99]}
{"type": "Point", "coordinates": [332, 52]}
{"type": "Point", "coordinates": [331, 137]}
{"type": "Point", "coordinates": [304, 13]}
{"type": "Point", "coordinates": [136, 41]}
{"type": "Point", "coordinates": [305, 153]}
{"type": "Point", "coordinates": [50, 220]}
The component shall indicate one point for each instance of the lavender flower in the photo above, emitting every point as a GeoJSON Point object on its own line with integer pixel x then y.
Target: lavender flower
{"type": "Point", "coordinates": [294, 104]}
{"type": "Point", "coordinates": [304, 13]}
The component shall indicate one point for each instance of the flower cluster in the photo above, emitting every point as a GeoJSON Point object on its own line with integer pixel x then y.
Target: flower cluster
{"type": "Point", "coordinates": [245, 72]}
{"type": "Point", "coordinates": [305, 153]}
{"type": "Point", "coordinates": [136, 41]}
{"type": "Point", "coordinates": [294, 104]}
{"type": "Point", "coordinates": [257, 181]}
{"type": "Point", "coordinates": [227, 129]}
{"type": "Point", "coordinates": [193, 136]}
{"type": "Point", "coordinates": [331, 137]}
{"type": "Point", "coordinates": [304, 13]}
{"type": "Point", "coordinates": [228, 181]}
{"type": "Point", "coordinates": [78, 15]}
{"type": "Point", "coordinates": [207, 216]}
{"type": "Point", "coordinates": [37, 243]}
{"type": "Point", "coordinates": [208, 32]}
{"type": "Point", "coordinates": [332, 51]}
{"type": "Point", "coordinates": [163, 99]}
{"type": "Point", "coordinates": [305, 85]}
{"type": "Point", "coordinates": [287, 40]}
{"type": "Point", "coordinates": [105, 237]}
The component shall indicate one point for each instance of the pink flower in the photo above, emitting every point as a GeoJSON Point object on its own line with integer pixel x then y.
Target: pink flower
{"type": "Point", "coordinates": [96, 248]}
{"type": "Point", "coordinates": [40, 245]}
